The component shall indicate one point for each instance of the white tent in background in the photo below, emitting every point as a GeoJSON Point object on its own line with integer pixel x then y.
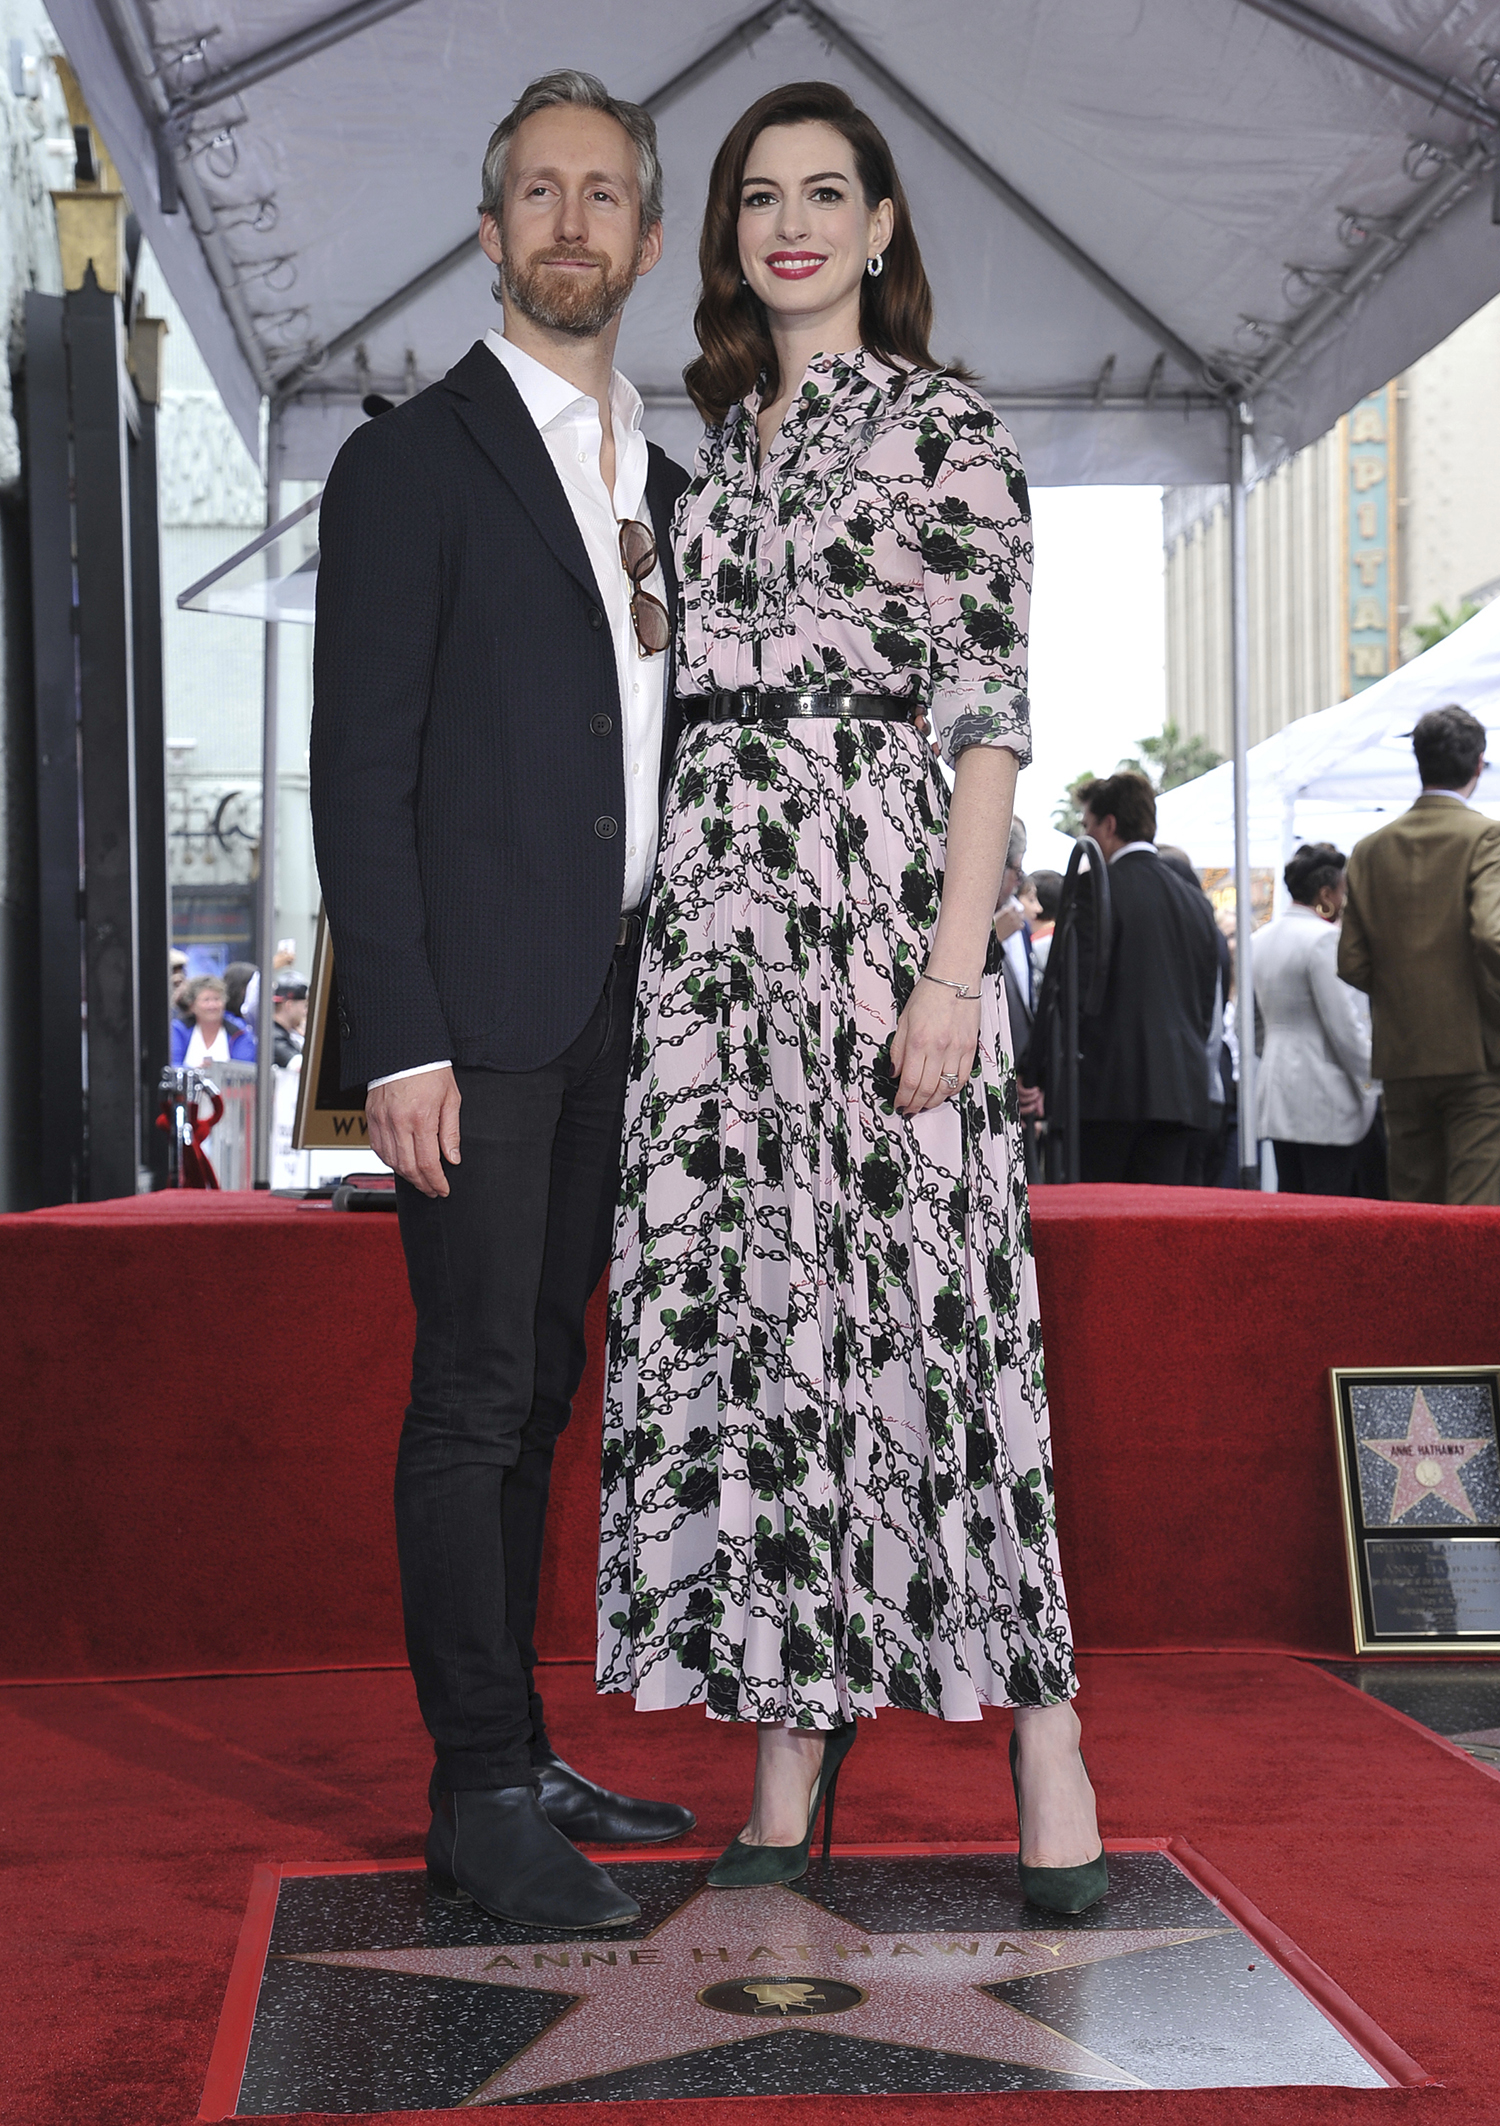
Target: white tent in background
{"type": "Point", "coordinates": [1336, 775]}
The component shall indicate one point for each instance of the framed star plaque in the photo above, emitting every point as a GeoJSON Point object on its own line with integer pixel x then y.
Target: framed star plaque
{"type": "Point", "coordinates": [1419, 1464]}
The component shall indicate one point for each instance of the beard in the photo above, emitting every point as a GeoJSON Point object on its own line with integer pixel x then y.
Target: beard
{"type": "Point", "coordinates": [579, 304]}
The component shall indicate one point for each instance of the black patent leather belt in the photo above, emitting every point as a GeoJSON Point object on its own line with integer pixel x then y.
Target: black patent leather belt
{"type": "Point", "coordinates": [779, 704]}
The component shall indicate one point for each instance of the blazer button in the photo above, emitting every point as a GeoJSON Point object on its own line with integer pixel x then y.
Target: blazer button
{"type": "Point", "coordinates": [606, 828]}
{"type": "Point", "coordinates": [601, 726]}
{"type": "Point", "coordinates": [596, 618]}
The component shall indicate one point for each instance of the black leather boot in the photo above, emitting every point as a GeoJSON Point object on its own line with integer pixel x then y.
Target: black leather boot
{"type": "Point", "coordinates": [498, 1849]}
{"type": "Point", "coordinates": [594, 1816]}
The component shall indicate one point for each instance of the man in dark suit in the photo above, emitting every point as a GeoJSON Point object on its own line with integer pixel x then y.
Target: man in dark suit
{"type": "Point", "coordinates": [1143, 1080]}
{"type": "Point", "coordinates": [493, 717]}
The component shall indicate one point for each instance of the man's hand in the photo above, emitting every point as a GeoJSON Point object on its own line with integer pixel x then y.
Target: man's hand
{"type": "Point", "coordinates": [1008, 920]}
{"type": "Point", "coordinates": [414, 1127]}
{"type": "Point", "coordinates": [1033, 1102]}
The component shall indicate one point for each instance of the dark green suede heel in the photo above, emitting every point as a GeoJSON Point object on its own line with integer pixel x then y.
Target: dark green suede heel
{"type": "Point", "coordinates": [1057, 1889]}
{"type": "Point", "coordinates": [740, 1866]}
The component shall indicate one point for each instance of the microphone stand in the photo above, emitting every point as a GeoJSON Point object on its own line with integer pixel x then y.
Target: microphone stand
{"type": "Point", "coordinates": [1061, 1006]}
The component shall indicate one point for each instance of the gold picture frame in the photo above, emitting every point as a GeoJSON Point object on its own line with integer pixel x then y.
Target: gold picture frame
{"type": "Point", "coordinates": [1420, 1441]}
{"type": "Point", "coordinates": [327, 1118]}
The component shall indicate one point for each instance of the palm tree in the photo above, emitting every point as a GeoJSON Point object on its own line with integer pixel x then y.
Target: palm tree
{"type": "Point", "coordinates": [1169, 759]}
{"type": "Point", "coordinates": [1429, 632]}
{"type": "Point", "coordinates": [1166, 760]}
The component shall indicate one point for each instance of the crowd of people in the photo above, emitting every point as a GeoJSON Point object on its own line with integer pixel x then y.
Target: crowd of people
{"type": "Point", "coordinates": [1376, 1010]}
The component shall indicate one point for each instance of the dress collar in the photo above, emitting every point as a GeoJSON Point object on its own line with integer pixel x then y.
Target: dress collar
{"type": "Point", "coordinates": [830, 375]}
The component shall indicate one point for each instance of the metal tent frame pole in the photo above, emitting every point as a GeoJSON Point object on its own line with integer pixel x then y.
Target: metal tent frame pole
{"type": "Point", "coordinates": [1239, 655]}
{"type": "Point", "coordinates": [265, 888]}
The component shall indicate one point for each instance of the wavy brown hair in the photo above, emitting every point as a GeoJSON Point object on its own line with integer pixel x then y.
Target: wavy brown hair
{"type": "Point", "coordinates": [895, 311]}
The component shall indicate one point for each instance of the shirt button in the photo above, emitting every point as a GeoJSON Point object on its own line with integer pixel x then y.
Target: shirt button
{"type": "Point", "coordinates": [606, 828]}
{"type": "Point", "coordinates": [636, 688]}
{"type": "Point", "coordinates": [636, 769]}
{"type": "Point", "coordinates": [601, 726]}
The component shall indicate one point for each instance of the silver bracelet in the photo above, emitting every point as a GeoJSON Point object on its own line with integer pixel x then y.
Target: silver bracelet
{"type": "Point", "coordinates": [961, 989]}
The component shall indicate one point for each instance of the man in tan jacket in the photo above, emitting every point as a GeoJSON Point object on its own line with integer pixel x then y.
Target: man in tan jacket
{"type": "Point", "coordinates": [1421, 933]}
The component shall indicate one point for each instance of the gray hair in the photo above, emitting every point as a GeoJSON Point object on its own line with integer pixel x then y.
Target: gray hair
{"type": "Point", "coordinates": [588, 93]}
{"type": "Point", "coordinates": [1015, 848]}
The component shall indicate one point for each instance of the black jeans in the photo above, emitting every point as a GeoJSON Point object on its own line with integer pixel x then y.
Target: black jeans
{"type": "Point", "coordinates": [1134, 1151]}
{"type": "Point", "coordinates": [501, 1272]}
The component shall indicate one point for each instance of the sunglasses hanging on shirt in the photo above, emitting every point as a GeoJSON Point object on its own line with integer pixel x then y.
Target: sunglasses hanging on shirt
{"type": "Point", "coordinates": [653, 630]}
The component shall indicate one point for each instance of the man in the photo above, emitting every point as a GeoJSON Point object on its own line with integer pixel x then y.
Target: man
{"type": "Point", "coordinates": [1143, 1079]}
{"type": "Point", "coordinates": [289, 1015]}
{"type": "Point", "coordinates": [1421, 933]}
{"type": "Point", "coordinates": [1046, 888]}
{"type": "Point", "coordinates": [493, 710]}
{"type": "Point", "coordinates": [1020, 987]}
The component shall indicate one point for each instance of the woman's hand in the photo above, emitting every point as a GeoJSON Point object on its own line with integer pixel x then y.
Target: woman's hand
{"type": "Point", "coordinates": [935, 1037]}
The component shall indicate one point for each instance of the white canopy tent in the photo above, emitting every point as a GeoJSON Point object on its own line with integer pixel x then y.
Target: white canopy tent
{"type": "Point", "coordinates": [1129, 211]}
{"type": "Point", "coordinates": [1336, 775]}
{"type": "Point", "coordinates": [1175, 238]}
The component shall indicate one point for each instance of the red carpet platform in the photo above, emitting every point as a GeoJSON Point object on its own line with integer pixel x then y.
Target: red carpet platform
{"type": "Point", "coordinates": [143, 1810]}
{"type": "Point", "coordinates": [203, 1396]}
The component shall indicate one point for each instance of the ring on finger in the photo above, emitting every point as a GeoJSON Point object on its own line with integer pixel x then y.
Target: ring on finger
{"type": "Point", "coordinates": [950, 1079]}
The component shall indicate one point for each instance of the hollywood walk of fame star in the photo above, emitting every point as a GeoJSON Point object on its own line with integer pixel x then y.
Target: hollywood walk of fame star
{"type": "Point", "coordinates": [639, 2003]}
{"type": "Point", "coordinates": [1426, 1463]}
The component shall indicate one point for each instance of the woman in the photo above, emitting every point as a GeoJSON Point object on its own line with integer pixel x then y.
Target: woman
{"type": "Point", "coordinates": [208, 1034]}
{"type": "Point", "coordinates": [827, 1484]}
{"type": "Point", "coordinates": [1313, 1092]}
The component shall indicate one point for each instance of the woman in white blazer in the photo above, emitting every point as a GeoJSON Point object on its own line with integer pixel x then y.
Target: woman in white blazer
{"type": "Point", "coordinates": [1315, 1100]}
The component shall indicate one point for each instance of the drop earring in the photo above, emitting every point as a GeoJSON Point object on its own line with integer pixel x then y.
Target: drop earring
{"type": "Point", "coordinates": [875, 267]}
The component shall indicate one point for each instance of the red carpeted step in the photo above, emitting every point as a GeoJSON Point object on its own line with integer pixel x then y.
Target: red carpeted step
{"type": "Point", "coordinates": [203, 1396]}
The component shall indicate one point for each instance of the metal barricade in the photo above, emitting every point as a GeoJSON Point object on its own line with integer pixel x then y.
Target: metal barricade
{"type": "Point", "coordinates": [231, 1143]}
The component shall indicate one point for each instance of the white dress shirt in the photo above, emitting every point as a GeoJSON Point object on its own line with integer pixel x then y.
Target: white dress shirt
{"type": "Point", "coordinates": [568, 422]}
{"type": "Point", "coordinates": [197, 1054]}
{"type": "Point", "coordinates": [1017, 950]}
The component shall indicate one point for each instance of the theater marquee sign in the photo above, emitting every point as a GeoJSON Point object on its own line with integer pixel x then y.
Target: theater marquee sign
{"type": "Point", "coordinates": [1370, 622]}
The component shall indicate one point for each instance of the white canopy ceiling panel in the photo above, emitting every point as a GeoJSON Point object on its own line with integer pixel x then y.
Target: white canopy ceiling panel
{"type": "Point", "coordinates": [1132, 213]}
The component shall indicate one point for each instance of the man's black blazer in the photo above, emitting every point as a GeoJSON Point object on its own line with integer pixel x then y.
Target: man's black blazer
{"type": "Point", "coordinates": [1145, 1056]}
{"type": "Point", "coordinates": [468, 777]}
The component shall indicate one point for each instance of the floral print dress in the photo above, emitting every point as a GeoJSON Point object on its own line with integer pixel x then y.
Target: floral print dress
{"type": "Point", "coordinates": [827, 1482]}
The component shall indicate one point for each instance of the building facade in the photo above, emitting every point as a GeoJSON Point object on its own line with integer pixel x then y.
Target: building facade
{"type": "Point", "coordinates": [1352, 544]}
